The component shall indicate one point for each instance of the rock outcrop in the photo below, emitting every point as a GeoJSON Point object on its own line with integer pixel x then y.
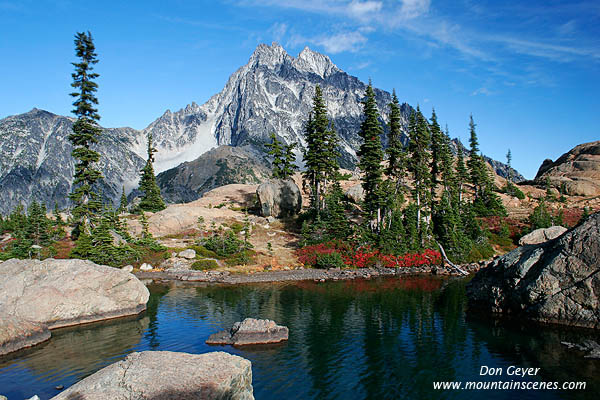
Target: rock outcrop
{"type": "Point", "coordinates": [17, 333]}
{"type": "Point", "coordinates": [542, 235]}
{"type": "Point", "coordinates": [168, 375]}
{"type": "Point", "coordinates": [251, 331]}
{"type": "Point", "coordinates": [279, 198]}
{"type": "Point", "coordinates": [68, 292]}
{"type": "Point", "coordinates": [217, 167]}
{"type": "Point", "coordinates": [556, 282]}
{"type": "Point", "coordinates": [356, 194]}
{"type": "Point", "coordinates": [577, 171]}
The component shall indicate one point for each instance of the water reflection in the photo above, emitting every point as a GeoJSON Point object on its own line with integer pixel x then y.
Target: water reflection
{"type": "Point", "coordinates": [377, 339]}
{"type": "Point", "coordinates": [69, 356]}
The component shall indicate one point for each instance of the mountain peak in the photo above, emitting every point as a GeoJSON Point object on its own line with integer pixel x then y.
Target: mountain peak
{"type": "Point", "coordinates": [269, 55]}
{"type": "Point", "coordinates": [312, 61]}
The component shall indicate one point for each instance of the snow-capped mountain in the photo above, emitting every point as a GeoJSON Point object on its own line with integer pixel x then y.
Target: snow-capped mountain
{"type": "Point", "coordinates": [36, 161]}
{"type": "Point", "coordinates": [273, 92]}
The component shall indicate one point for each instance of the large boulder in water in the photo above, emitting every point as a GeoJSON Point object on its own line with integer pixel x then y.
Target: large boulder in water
{"type": "Point", "coordinates": [165, 375]}
{"type": "Point", "coordinates": [17, 333]}
{"type": "Point", "coordinates": [557, 281]}
{"type": "Point", "coordinates": [60, 293]}
{"type": "Point", "coordinates": [279, 198]}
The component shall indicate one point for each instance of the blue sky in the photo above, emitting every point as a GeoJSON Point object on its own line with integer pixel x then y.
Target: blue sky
{"type": "Point", "coordinates": [528, 71]}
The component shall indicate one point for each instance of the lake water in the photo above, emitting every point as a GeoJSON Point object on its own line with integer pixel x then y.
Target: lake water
{"type": "Point", "coordinates": [375, 339]}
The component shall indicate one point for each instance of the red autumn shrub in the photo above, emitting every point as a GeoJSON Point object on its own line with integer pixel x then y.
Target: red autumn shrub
{"type": "Point", "coordinates": [364, 257]}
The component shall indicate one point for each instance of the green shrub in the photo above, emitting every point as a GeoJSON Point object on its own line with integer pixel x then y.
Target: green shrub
{"type": "Point", "coordinates": [242, 258]}
{"type": "Point", "coordinates": [203, 252]}
{"type": "Point", "coordinates": [329, 260]}
{"type": "Point", "coordinates": [202, 265]}
{"type": "Point", "coordinates": [225, 244]}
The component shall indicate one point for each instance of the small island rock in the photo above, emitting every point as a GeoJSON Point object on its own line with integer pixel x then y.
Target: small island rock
{"type": "Point", "coordinates": [251, 331]}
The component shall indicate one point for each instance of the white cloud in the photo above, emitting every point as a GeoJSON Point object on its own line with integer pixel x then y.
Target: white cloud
{"type": "Point", "coordinates": [482, 90]}
{"type": "Point", "coordinates": [414, 8]}
{"type": "Point", "coordinates": [278, 30]}
{"type": "Point", "coordinates": [333, 44]}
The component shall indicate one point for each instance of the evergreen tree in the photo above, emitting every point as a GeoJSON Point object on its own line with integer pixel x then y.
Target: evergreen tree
{"type": "Point", "coordinates": [335, 220]}
{"type": "Point", "coordinates": [371, 157]}
{"type": "Point", "coordinates": [462, 174]}
{"type": "Point", "coordinates": [152, 200]}
{"type": "Point", "coordinates": [436, 149]}
{"type": "Point", "coordinates": [446, 160]}
{"type": "Point", "coordinates": [420, 142]}
{"type": "Point", "coordinates": [477, 169]}
{"type": "Point", "coordinates": [284, 158]}
{"type": "Point", "coordinates": [277, 152]}
{"type": "Point", "coordinates": [123, 202]}
{"type": "Point", "coordinates": [486, 202]}
{"type": "Point", "coordinates": [289, 164]}
{"type": "Point", "coordinates": [320, 157]}
{"type": "Point", "coordinates": [85, 134]}
{"type": "Point", "coordinates": [395, 150]}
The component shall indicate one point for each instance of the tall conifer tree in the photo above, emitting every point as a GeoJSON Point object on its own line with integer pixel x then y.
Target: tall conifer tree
{"type": "Point", "coordinates": [420, 142]}
{"type": "Point", "coordinates": [371, 157]}
{"type": "Point", "coordinates": [320, 156]}
{"type": "Point", "coordinates": [86, 203]}
{"type": "Point", "coordinates": [152, 200]}
{"type": "Point", "coordinates": [395, 150]}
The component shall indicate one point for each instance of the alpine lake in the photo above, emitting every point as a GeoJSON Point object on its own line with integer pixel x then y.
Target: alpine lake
{"type": "Point", "coordinates": [388, 338]}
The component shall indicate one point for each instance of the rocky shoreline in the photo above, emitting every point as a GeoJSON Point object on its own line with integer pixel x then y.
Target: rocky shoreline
{"type": "Point", "coordinates": [302, 274]}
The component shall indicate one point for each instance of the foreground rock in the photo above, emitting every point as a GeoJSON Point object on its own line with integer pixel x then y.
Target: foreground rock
{"type": "Point", "coordinates": [17, 333]}
{"type": "Point", "coordinates": [556, 281]}
{"type": "Point", "coordinates": [165, 375]}
{"type": "Point", "coordinates": [68, 292]}
{"type": "Point", "coordinates": [279, 198]}
{"type": "Point", "coordinates": [251, 331]}
{"type": "Point", "coordinates": [542, 235]}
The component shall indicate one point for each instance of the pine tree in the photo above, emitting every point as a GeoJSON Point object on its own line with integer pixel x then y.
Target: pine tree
{"type": "Point", "coordinates": [371, 157]}
{"type": "Point", "coordinates": [476, 164]}
{"type": "Point", "coordinates": [152, 200]}
{"type": "Point", "coordinates": [284, 159]}
{"type": "Point", "coordinates": [320, 156]}
{"type": "Point", "coordinates": [395, 150]}
{"type": "Point", "coordinates": [420, 142]}
{"type": "Point", "coordinates": [447, 172]}
{"type": "Point", "coordinates": [462, 174]}
{"type": "Point", "coordinates": [436, 149]}
{"type": "Point", "coordinates": [289, 164]}
{"type": "Point", "coordinates": [123, 202]}
{"type": "Point", "coordinates": [85, 134]}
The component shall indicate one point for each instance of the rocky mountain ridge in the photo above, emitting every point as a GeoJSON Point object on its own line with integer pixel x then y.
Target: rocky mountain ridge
{"type": "Point", "coordinates": [272, 93]}
{"type": "Point", "coordinates": [36, 161]}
